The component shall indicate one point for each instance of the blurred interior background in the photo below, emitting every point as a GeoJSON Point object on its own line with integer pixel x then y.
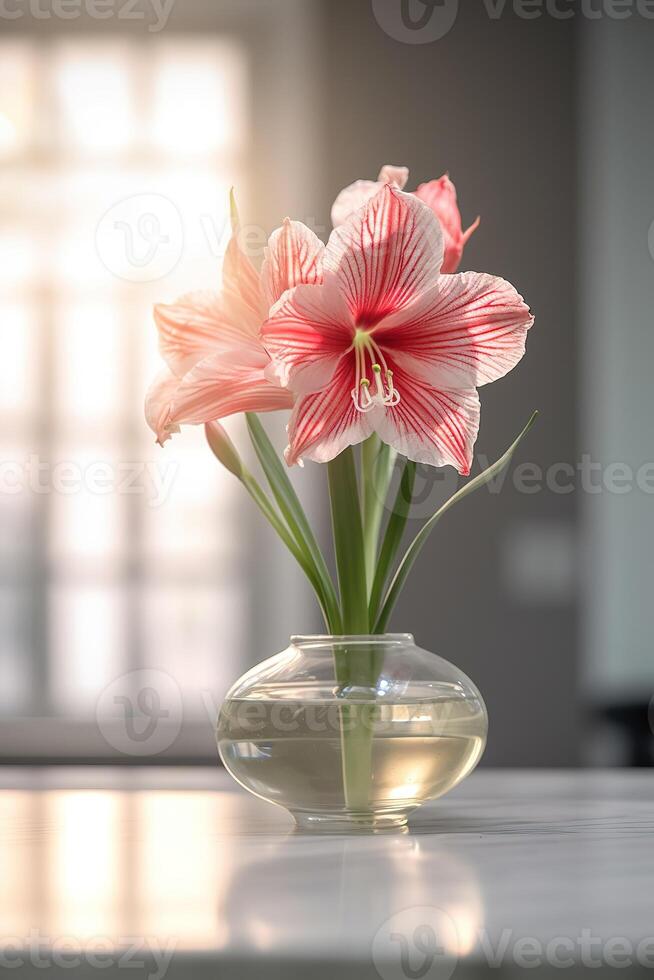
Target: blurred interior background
{"type": "Point", "coordinates": [125, 567]}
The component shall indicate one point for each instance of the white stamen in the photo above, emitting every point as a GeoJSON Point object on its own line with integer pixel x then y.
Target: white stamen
{"type": "Point", "coordinates": [385, 395]}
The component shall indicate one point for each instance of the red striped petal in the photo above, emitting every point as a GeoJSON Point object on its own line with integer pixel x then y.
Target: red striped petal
{"type": "Point", "coordinates": [309, 330]}
{"type": "Point", "coordinates": [353, 197]}
{"type": "Point", "coordinates": [197, 324]}
{"type": "Point", "coordinates": [469, 330]}
{"type": "Point", "coordinates": [294, 256]}
{"type": "Point", "coordinates": [438, 427]}
{"type": "Point", "coordinates": [325, 423]}
{"type": "Point", "coordinates": [386, 255]}
{"type": "Point", "coordinates": [220, 386]}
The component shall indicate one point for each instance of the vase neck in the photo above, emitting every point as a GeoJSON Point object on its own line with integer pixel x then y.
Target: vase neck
{"type": "Point", "coordinates": [352, 640]}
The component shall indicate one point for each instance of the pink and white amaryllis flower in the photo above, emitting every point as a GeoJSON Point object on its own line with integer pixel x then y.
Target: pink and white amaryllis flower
{"type": "Point", "coordinates": [216, 363]}
{"type": "Point", "coordinates": [439, 195]}
{"type": "Point", "coordinates": [387, 344]}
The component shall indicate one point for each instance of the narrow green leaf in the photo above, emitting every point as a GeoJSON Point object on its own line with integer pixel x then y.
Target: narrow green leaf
{"type": "Point", "coordinates": [269, 512]}
{"type": "Point", "coordinates": [348, 541]}
{"type": "Point", "coordinates": [393, 536]}
{"type": "Point", "coordinates": [293, 513]}
{"type": "Point", "coordinates": [227, 454]}
{"type": "Point", "coordinates": [420, 539]}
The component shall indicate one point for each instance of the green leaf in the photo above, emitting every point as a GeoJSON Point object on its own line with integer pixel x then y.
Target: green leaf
{"type": "Point", "coordinates": [393, 536]}
{"type": "Point", "coordinates": [293, 513]}
{"type": "Point", "coordinates": [420, 539]}
{"type": "Point", "coordinates": [226, 453]}
{"type": "Point", "coordinates": [348, 541]}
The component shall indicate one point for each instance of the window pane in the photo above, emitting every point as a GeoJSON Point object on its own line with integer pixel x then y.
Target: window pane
{"type": "Point", "coordinates": [91, 85]}
{"type": "Point", "coordinates": [88, 644]}
{"type": "Point", "coordinates": [18, 67]}
{"type": "Point", "coordinates": [195, 516]}
{"type": "Point", "coordinates": [89, 499]}
{"type": "Point", "coordinates": [20, 486]}
{"type": "Point", "coordinates": [18, 364]}
{"type": "Point", "coordinates": [195, 634]}
{"type": "Point", "coordinates": [90, 363]}
{"type": "Point", "coordinates": [199, 99]}
{"type": "Point", "coordinates": [129, 565]}
{"type": "Point", "coordinates": [19, 259]}
{"type": "Point", "coordinates": [15, 648]}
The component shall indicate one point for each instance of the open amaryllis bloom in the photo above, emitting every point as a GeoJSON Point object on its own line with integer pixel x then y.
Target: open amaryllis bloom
{"type": "Point", "coordinates": [216, 363]}
{"type": "Point", "coordinates": [439, 195]}
{"type": "Point", "coordinates": [387, 344]}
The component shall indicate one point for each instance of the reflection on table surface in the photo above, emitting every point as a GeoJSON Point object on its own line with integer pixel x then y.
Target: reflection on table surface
{"type": "Point", "coordinates": [187, 860]}
{"type": "Point", "coordinates": [189, 864]}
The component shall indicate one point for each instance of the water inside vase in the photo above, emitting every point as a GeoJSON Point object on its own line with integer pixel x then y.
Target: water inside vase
{"type": "Point", "coordinates": [291, 752]}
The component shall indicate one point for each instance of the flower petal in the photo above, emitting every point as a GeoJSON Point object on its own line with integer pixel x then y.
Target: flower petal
{"type": "Point", "coordinates": [390, 174]}
{"type": "Point", "coordinates": [158, 400]}
{"type": "Point", "coordinates": [239, 275]}
{"type": "Point", "coordinates": [468, 330]}
{"type": "Point", "coordinates": [294, 256]}
{"type": "Point", "coordinates": [325, 423]}
{"type": "Point", "coordinates": [197, 324]}
{"type": "Point", "coordinates": [440, 196]}
{"type": "Point", "coordinates": [386, 255]}
{"type": "Point", "coordinates": [223, 384]}
{"type": "Point", "coordinates": [353, 197]}
{"type": "Point", "coordinates": [307, 333]}
{"type": "Point", "coordinates": [359, 193]}
{"type": "Point", "coordinates": [438, 427]}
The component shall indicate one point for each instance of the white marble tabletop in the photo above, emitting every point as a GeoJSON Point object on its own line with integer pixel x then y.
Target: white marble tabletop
{"type": "Point", "coordinates": [186, 875]}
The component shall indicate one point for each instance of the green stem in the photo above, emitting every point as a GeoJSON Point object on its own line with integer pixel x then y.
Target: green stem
{"type": "Point", "coordinates": [353, 667]}
{"type": "Point", "coordinates": [348, 542]}
{"type": "Point", "coordinates": [392, 537]}
{"type": "Point", "coordinates": [377, 460]}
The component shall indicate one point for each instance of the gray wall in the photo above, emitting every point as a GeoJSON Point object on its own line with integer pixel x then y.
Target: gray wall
{"type": "Point", "coordinates": [617, 291]}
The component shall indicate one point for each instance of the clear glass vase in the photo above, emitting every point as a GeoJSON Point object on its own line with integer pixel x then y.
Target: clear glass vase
{"type": "Point", "coordinates": [352, 733]}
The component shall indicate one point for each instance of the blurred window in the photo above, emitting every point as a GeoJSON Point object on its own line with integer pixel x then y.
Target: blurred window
{"type": "Point", "coordinates": [115, 166]}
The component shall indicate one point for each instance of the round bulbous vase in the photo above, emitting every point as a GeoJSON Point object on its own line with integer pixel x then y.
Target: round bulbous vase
{"type": "Point", "coordinates": [352, 733]}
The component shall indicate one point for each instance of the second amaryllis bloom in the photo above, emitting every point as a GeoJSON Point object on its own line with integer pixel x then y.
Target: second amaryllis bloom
{"type": "Point", "coordinates": [387, 345]}
{"type": "Point", "coordinates": [439, 195]}
{"type": "Point", "coordinates": [216, 363]}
